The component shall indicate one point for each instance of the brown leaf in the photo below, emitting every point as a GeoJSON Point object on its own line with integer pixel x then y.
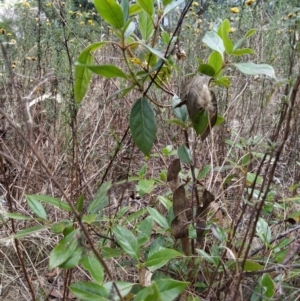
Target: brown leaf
{"type": "Point", "coordinates": [173, 170]}
{"type": "Point", "coordinates": [179, 201]}
{"type": "Point", "coordinates": [179, 227]}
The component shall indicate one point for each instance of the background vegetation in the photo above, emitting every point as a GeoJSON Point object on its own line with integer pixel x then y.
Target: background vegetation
{"type": "Point", "coordinates": [85, 214]}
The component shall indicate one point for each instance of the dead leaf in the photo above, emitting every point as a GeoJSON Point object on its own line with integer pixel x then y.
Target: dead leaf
{"type": "Point", "coordinates": [173, 170]}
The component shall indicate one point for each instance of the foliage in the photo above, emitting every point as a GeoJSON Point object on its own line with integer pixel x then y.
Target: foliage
{"type": "Point", "coordinates": [178, 246]}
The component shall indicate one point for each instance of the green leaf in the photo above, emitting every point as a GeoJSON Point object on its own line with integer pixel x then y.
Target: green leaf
{"type": "Point", "coordinates": [18, 216]}
{"type": "Point", "coordinates": [206, 69]}
{"type": "Point", "coordinates": [101, 199]}
{"type": "Point", "coordinates": [28, 231]}
{"type": "Point", "coordinates": [79, 203]}
{"type": "Point", "coordinates": [146, 5]}
{"type": "Point", "coordinates": [134, 9]}
{"type": "Point", "coordinates": [170, 289]}
{"type": "Point", "coordinates": [144, 230]}
{"type": "Point", "coordinates": [129, 30]}
{"type": "Point", "coordinates": [167, 203]}
{"type": "Point", "coordinates": [149, 293]}
{"type": "Point", "coordinates": [180, 112]}
{"type": "Point", "coordinates": [213, 41]}
{"type": "Point", "coordinates": [82, 74]}
{"type": "Point", "coordinates": [263, 231]}
{"type": "Point", "coordinates": [52, 201]}
{"type": "Point", "coordinates": [220, 120]}
{"type": "Point", "coordinates": [146, 25]}
{"type": "Point", "coordinates": [60, 226]}
{"type": "Point", "coordinates": [206, 256]}
{"type": "Point", "coordinates": [125, 9]}
{"type": "Point", "coordinates": [250, 33]}
{"type": "Point", "coordinates": [160, 258]}
{"type": "Point", "coordinates": [127, 242]}
{"type": "Point", "coordinates": [36, 207]}
{"type": "Point", "coordinates": [64, 250]}
{"type": "Point", "coordinates": [145, 186]}
{"type": "Point", "coordinates": [243, 51]}
{"type": "Point", "coordinates": [255, 69]}
{"type": "Point", "coordinates": [73, 260]}
{"type": "Point", "coordinates": [158, 218]}
{"type": "Point", "coordinates": [142, 125]}
{"type": "Point", "coordinates": [222, 81]}
{"type": "Point", "coordinates": [111, 253]}
{"type": "Point", "coordinates": [176, 122]}
{"type": "Point", "coordinates": [172, 5]}
{"type": "Point", "coordinates": [252, 266]}
{"type": "Point", "coordinates": [88, 291]}
{"type": "Point", "coordinates": [200, 121]}
{"type": "Point", "coordinates": [123, 287]}
{"type": "Point", "coordinates": [111, 12]}
{"type": "Point", "coordinates": [92, 264]}
{"type": "Point", "coordinates": [206, 169]}
{"type": "Point", "coordinates": [158, 53]}
{"type": "Point", "coordinates": [223, 33]}
{"type": "Point", "coordinates": [184, 154]}
{"type": "Point", "coordinates": [215, 60]}
{"type": "Point", "coordinates": [108, 71]}
{"type": "Point", "coordinates": [89, 218]}
{"type": "Point", "coordinates": [267, 283]}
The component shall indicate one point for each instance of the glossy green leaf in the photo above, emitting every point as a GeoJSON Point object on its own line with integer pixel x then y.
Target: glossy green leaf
{"type": "Point", "coordinates": [243, 51]}
{"type": "Point", "coordinates": [88, 291]}
{"type": "Point", "coordinates": [179, 112]}
{"type": "Point", "coordinates": [28, 231]}
{"type": "Point", "coordinates": [111, 253]}
{"type": "Point", "coordinates": [111, 12]}
{"type": "Point", "coordinates": [143, 125]}
{"type": "Point", "coordinates": [255, 69]}
{"type": "Point", "coordinates": [176, 122]}
{"type": "Point", "coordinates": [206, 69]}
{"type": "Point", "coordinates": [129, 30]}
{"type": "Point", "coordinates": [52, 201]}
{"type": "Point", "coordinates": [108, 71]}
{"type": "Point", "coordinates": [167, 203]}
{"type": "Point", "coordinates": [200, 122]}
{"type": "Point", "coordinates": [64, 250]}
{"type": "Point", "coordinates": [127, 242]}
{"type": "Point", "coordinates": [213, 41]}
{"type": "Point", "coordinates": [82, 74]}
{"type": "Point", "coordinates": [215, 60]}
{"type": "Point", "coordinates": [206, 256]}
{"type": "Point", "coordinates": [36, 207]}
{"type": "Point", "coordinates": [170, 289]}
{"type": "Point", "coordinates": [158, 218]}
{"type": "Point", "coordinates": [94, 267]}
{"type": "Point", "coordinates": [144, 230]}
{"type": "Point", "coordinates": [101, 199]}
{"type": "Point", "coordinates": [171, 5]}
{"type": "Point", "coordinates": [149, 293]}
{"type": "Point", "coordinates": [160, 258]}
{"type": "Point", "coordinates": [184, 154]}
{"type": "Point", "coordinates": [158, 53]}
{"type": "Point", "coordinates": [146, 25]}
{"type": "Point", "coordinates": [223, 32]}
{"type": "Point", "coordinates": [146, 5]}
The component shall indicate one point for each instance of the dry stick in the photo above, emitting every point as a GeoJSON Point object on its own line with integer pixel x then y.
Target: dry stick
{"type": "Point", "coordinates": [76, 213]}
{"type": "Point", "coordinates": [14, 231]}
{"type": "Point", "coordinates": [277, 156]}
{"type": "Point", "coordinates": [11, 75]}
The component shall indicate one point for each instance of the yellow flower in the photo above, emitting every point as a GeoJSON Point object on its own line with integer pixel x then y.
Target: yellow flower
{"type": "Point", "coordinates": [2, 31]}
{"type": "Point", "coordinates": [235, 10]}
{"type": "Point", "coordinates": [71, 12]}
{"type": "Point", "coordinates": [13, 41]}
{"type": "Point", "coordinates": [63, 4]}
{"type": "Point", "coordinates": [250, 2]}
{"type": "Point", "coordinates": [91, 22]}
{"type": "Point", "coordinates": [135, 60]}
{"type": "Point", "coordinates": [8, 34]}
{"type": "Point", "coordinates": [26, 4]}
{"type": "Point", "coordinates": [49, 4]}
{"type": "Point", "coordinates": [81, 23]}
{"type": "Point", "coordinates": [195, 3]}
{"type": "Point", "coordinates": [34, 59]}
{"type": "Point", "coordinates": [28, 58]}
{"type": "Point", "coordinates": [48, 23]}
{"type": "Point", "coordinates": [231, 29]}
